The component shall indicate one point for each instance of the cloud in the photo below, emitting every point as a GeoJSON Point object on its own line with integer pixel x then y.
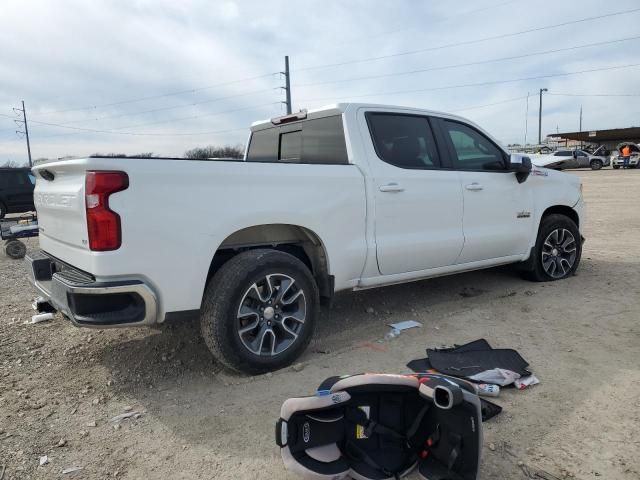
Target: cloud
{"type": "Point", "coordinates": [170, 68]}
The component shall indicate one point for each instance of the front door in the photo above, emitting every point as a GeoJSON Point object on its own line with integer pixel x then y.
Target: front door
{"type": "Point", "coordinates": [418, 204]}
{"type": "Point", "coordinates": [498, 211]}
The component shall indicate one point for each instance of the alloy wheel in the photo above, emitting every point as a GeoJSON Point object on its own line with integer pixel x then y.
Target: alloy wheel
{"type": "Point", "coordinates": [271, 315]}
{"type": "Point", "coordinates": [559, 252]}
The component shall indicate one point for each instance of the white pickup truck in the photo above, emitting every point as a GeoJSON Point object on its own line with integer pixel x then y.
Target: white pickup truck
{"type": "Point", "coordinates": [346, 197]}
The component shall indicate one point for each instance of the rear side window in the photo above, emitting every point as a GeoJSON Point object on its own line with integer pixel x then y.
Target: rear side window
{"type": "Point", "coordinates": [405, 141]}
{"type": "Point", "coordinates": [473, 150]}
{"type": "Point", "coordinates": [317, 141]}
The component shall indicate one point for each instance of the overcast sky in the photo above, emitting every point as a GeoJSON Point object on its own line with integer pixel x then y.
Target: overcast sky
{"type": "Point", "coordinates": [181, 74]}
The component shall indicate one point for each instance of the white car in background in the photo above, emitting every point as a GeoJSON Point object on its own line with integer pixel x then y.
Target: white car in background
{"type": "Point", "coordinates": [617, 160]}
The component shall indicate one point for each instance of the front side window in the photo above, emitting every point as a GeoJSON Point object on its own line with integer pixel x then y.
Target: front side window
{"type": "Point", "coordinates": [405, 141]}
{"type": "Point", "coordinates": [472, 150]}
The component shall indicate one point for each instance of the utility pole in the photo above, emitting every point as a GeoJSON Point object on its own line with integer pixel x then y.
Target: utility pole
{"type": "Point", "coordinates": [580, 127]}
{"type": "Point", "coordinates": [526, 122]}
{"type": "Point", "coordinates": [26, 129]}
{"type": "Point", "coordinates": [287, 84]}
{"type": "Point", "coordinates": [540, 117]}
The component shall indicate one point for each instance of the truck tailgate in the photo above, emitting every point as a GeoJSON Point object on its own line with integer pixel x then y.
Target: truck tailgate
{"type": "Point", "coordinates": [59, 201]}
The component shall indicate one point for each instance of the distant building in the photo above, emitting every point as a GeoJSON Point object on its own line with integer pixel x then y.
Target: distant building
{"type": "Point", "coordinates": [609, 138]}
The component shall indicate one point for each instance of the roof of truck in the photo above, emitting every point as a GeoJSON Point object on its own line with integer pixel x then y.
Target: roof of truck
{"type": "Point", "coordinates": [339, 108]}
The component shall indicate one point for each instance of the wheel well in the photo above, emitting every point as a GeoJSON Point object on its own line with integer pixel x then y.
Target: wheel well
{"type": "Point", "coordinates": [563, 210]}
{"type": "Point", "coordinates": [298, 241]}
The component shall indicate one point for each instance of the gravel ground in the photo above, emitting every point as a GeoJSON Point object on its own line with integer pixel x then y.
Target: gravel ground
{"type": "Point", "coordinates": [61, 386]}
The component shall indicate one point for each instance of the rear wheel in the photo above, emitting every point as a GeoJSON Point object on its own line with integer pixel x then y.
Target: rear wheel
{"type": "Point", "coordinates": [558, 249]}
{"type": "Point", "coordinates": [596, 164]}
{"type": "Point", "coordinates": [259, 311]}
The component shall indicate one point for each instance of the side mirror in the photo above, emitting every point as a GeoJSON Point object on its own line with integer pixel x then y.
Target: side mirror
{"type": "Point", "coordinates": [520, 165]}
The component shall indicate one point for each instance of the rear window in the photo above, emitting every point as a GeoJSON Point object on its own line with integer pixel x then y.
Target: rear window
{"type": "Point", "coordinates": [318, 141]}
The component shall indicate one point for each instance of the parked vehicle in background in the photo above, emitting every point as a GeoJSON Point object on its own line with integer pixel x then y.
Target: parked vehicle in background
{"type": "Point", "coordinates": [617, 159]}
{"type": "Point", "coordinates": [567, 159]}
{"type": "Point", "coordinates": [346, 197]}
{"type": "Point", "coordinates": [16, 190]}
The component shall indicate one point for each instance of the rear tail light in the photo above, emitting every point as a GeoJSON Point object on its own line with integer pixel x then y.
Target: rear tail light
{"type": "Point", "coordinates": [103, 224]}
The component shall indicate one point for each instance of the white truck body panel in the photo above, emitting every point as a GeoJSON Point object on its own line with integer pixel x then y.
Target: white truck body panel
{"type": "Point", "coordinates": [176, 213]}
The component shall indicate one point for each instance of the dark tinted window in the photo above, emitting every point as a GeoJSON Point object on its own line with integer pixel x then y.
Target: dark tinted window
{"type": "Point", "coordinates": [263, 146]}
{"type": "Point", "coordinates": [473, 150]}
{"type": "Point", "coordinates": [562, 153]}
{"type": "Point", "coordinates": [405, 141]}
{"type": "Point", "coordinates": [319, 141]}
{"type": "Point", "coordinates": [4, 179]}
{"type": "Point", "coordinates": [323, 141]}
{"type": "Point", "coordinates": [291, 146]}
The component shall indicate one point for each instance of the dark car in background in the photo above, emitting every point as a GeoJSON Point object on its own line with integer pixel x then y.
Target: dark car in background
{"type": "Point", "coordinates": [16, 190]}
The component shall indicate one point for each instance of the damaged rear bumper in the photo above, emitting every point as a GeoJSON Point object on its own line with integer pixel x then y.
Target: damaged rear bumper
{"type": "Point", "coordinates": [88, 302]}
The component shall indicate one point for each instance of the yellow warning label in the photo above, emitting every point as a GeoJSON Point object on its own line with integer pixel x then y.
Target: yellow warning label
{"type": "Point", "coordinates": [360, 428]}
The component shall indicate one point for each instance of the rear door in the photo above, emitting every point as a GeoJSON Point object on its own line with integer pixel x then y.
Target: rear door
{"type": "Point", "coordinates": [418, 203]}
{"type": "Point", "coordinates": [497, 219]}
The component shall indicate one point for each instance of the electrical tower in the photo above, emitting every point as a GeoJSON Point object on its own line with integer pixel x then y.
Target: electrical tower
{"type": "Point", "coordinates": [23, 123]}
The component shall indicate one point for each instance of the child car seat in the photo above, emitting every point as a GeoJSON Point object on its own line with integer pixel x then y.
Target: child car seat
{"type": "Point", "coordinates": [381, 426]}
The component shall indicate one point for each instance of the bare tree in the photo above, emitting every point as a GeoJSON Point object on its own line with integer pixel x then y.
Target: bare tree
{"type": "Point", "coordinates": [211, 151]}
{"type": "Point", "coordinates": [11, 164]}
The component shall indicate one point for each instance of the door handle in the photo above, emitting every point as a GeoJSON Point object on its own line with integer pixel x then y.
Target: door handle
{"type": "Point", "coordinates": [391, 187]}
{"type": "Point", "coordinates": [474, 187]}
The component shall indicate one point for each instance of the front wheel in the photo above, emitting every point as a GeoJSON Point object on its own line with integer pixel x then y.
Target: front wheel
{"type": "Point", "coordinates": [259, 311]}
{"type": "Point", "coordinates": [596, 164]}
{"type": "Point", "coordinates": [558, 249]}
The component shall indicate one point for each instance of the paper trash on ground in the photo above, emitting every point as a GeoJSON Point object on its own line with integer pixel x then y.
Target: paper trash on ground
{"type": "Point", "coordinates": [405, 325]}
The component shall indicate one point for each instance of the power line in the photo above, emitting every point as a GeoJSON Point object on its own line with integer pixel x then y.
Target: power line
{"type": "Point", "coordinates": [152, 97]}
{"type": "Point", "coordinates": [173, 107]}
{"type": "Point", "coordinates": [480, 84]}
{"type": "Point", "coordinates": [404, 28]}
{"type": "Point", "coordinates": [470, 42]}
{"type": "Point", "coordinates": [116, 132]}
{"type": "Point", "coordinates": [522, 97]}
{"type": "Point", "coordinates": [479, 62]}
{"type": "Point", "coordinates": [595, 94]}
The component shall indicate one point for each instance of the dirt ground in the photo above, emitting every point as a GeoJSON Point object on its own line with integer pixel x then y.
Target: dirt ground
{"type": "Point", "coordinates": [60, 386]}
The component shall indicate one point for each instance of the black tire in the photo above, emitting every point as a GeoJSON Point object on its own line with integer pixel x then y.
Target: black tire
{"type": "Point", "coordinates": [548, 225]}
{"type": "Point", "coordinates": [230, 287]}
{"type": "Point", "coordinates": [616, 166]}
{"type": "Point", "coordinates": [15, 249]}
{"type": "Point", "coordinates": [596, 164]}
{"type": "Point", "coordinates": [3, 210]}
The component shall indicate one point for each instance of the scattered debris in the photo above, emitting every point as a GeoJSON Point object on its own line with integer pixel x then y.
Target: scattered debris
{"type": "Point", "coordinates": [61, 443]}
{"type": "Point", "coordinates": [123, 416]}
{"type": "Point", "coordinates": [298, 367]}
{"type": "Point", "coordinates": [492, 447]}
{"type": "Point", "coordinates": [527, 381]}
{"type": "Point", "coordinates": [44, 460]}
{"type": "Point", "coordinates": [2, 469]}
{"type": "Point", "coordinates": [71, 470]}
{"type": "Point", "coordinates": [128, 408]}
{"type": "Point", "coordinates": [91, 424]}
{"type": "Point", "coordinates": [42, 317]}
{"type": "Point", "coordinates": [405, 325]}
